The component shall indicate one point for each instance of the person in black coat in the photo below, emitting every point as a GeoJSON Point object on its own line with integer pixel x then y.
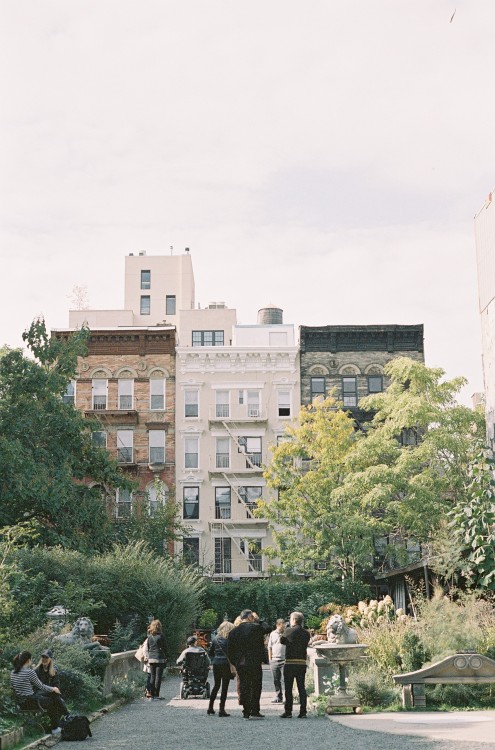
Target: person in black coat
{"type": "Point", "coordinates": [222, 670]}
{"type": "Point", "coordinates": [246, 650]}
{"type": "Point", "coordinates": [157, 657]}
{"type": "Point", "coordinates": [295, 639]}
{"type": "Point", "coordinates": [47, 670]}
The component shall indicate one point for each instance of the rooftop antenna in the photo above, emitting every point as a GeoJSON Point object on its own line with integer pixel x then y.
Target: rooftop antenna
{"type": "Point", "coordinates": [171, 249]}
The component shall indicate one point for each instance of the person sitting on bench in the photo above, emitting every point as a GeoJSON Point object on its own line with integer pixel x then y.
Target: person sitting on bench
{"type": "Point", "coordinates": [31, 694]}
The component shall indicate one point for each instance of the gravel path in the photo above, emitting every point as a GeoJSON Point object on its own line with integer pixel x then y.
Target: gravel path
{"type": "Point", "coordinates": [184, 725]}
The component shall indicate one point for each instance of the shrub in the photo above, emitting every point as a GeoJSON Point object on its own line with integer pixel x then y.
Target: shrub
{"type": "Point", "coordinates": [371, 690]}
{"type": "Point", "coordinates": [125, 637]}
{"type": "Point", "coordinates": [128, 582]}
{"type": "Point", "coordinates": [208, 619]}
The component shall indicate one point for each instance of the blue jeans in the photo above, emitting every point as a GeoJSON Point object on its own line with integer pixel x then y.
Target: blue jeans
{"type": "Point", "coordinates": [277, 668]}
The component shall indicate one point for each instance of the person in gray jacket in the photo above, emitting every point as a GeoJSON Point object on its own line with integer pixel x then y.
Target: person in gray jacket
{"type": "Point", "coordinates": [276, 659]}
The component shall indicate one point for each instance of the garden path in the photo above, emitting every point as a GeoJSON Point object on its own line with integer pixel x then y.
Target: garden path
{"type": "Point", "coordinates": [172, 724]}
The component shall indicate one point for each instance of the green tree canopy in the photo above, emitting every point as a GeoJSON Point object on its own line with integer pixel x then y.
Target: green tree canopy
{"type": "Point", "coordinates": [394, 480]}
{"type": "Point", "coordinates": [51, 472]}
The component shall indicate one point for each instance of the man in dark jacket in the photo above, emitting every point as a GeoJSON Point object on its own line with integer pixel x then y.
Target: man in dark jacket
{"type": "Point", "coordinates": [246, 649]}
{"type": "Point", "coordinates": [295, 640]}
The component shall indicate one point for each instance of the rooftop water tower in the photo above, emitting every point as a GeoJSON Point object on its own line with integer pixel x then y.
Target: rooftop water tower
{"type": "Point", "coordinates": [270, 315]}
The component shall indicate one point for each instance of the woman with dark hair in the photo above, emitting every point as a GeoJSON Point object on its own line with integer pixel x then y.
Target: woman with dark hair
{"type": "Point", "coordinates": [31, 694]}
{"type": "Point", "coordinates": [157, 657]}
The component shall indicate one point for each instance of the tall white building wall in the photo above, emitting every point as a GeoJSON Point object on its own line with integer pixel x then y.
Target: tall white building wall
{"type": "Point", "coordinates": [485, 255]}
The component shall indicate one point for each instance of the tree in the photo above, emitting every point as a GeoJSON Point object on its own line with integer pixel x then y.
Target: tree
{"type": "Point", "coordinates": [310, 523]}
{"type": "Point", "coordinates": [412, 467]}
{"type": "Point", "coordinates": [472, 525]}
{"type": "Point", "coordinates": [51, 472]}
{"type": "Point", "coordinates": [394, 480]}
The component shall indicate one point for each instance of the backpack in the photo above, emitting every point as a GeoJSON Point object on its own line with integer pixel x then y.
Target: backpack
{"type": "Point", "coordinates": [75, 727]}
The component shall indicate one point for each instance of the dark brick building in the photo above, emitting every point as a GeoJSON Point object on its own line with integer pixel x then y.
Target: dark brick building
{"type": "Point", "coordinates": [349, 360]}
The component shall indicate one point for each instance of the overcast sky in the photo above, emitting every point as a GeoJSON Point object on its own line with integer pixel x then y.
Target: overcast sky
{"type": "Point", "coordinates": [326, 156]}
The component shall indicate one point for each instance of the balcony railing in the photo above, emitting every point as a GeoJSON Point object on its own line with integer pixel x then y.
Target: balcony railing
{"type": "Point", "coordinates": [222, 411]}
{"type": "Point", "coordinates": [222, 461]}
{"type": "Point", "coordinates": [256, 563]}
{"type": "Point", "coordinates": [124, 455]}
{"type": "Point", "coordinates": [224, 566]}
{"type": "Point", "coordinates": [222, 511]}
{"type": "Point", "coordinates": [125, 403]}
{"type": "Point", "coordinates": [99, 403]}
{"type": "Point", "coordinates": [253, 459]}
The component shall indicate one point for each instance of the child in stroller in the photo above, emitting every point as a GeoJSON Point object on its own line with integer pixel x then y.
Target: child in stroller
{"type": "Point", "coordinates": [195, 663]}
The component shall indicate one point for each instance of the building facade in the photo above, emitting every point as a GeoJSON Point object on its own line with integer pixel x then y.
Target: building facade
{"type": "Point", "coordinates": [237, 387]}
{"type": "Point", "coordinates": [484, 224]}
{"type": "Point", "coordinates": [348, 361]}
{"type": "Point", "coordinates": [156, 288]}
{"type": "Point", "coordinates": [127, 383]}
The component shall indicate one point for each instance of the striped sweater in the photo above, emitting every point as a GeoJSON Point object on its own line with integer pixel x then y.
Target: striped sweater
{"type": "Point", "coordinates": [26, 682]}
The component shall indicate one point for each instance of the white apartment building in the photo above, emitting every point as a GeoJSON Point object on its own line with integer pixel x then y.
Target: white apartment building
{"type": "Point", "coordinates": [484, 224]}
{"type": "Point", "coordinates": [237, 386]}
{"type": "Point", "coordinates": [156, 287]}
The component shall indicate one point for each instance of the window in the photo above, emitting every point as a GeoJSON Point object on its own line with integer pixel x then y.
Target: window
{"type": "Point", "coordinates": [409, 436]}
{"type": "Point", "coordinates": [145, 279]}
{"type": "Point", "coordinates": [145, 305]}
{"type": "Point", "coordinates": [190, 550]}
{"type": "Point", "coordinates": [223, 453]}
{"type": "Point", "coordinates": [170, 304]}
{"type": "Point", "coordinates": [157, 394]}
{"type": "Point", "coordinates": [222, 502]}
{"type": "Point", "coordinates": [241, 397]}
{"type": "Point", "coordinates": [157, 496]}
{"type": "Point", "coordinates": [253, 402]}
{"type": "Point", "coordinates": [190, 505]}
{"type": "Point", "coordinates": [191, 398]}
{"type": "Point", "coordinates": [251, 548]}
{"type": "Point", "coordinates": [191, 453]}
{"type": "Point", "coordinates": [222, 404]}
{"type": "Point", "coordinates": [375, 384]}
{"type": "Point", "coordinates": [125, 393]}
{"type": "Point", "coordinates": [125, 441]}
{"type": "Point", "coordinates": [69, 396]}
{"type": "Point", "coordinates": [99, 438]}
{"type": "Point", "coordinates": [223, 556]}
{"type": "Point", "coordinates": [349, 391]}
{"type": "Point", "coordinates": [284, 403]}
{"type": "Point", "coordinates": [250, 496]}
{"type": "Point", "coordinates": [207, 338]}
{"type": "Point", "coordinates": [251, 446]}
{"type": "Point", "coordinates": [157, 446]}
{"type": "Point", "coordinates": [123, 505]}
{"type": "Point", "coordinates": [317, 389]}
{"type": "Point", "coordinates": [99, 394]}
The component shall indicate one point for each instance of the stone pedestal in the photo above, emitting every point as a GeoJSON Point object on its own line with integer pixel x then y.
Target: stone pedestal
{"type": "Point", "coordinates": [334, 658]}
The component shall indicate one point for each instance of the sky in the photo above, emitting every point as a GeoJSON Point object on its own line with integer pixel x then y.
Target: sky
{"type": "Point", "coordinates": [324, 156]}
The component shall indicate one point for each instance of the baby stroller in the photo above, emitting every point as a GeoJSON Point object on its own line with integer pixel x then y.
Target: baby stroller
{"type": "Point", "coordinates": [195, 675]}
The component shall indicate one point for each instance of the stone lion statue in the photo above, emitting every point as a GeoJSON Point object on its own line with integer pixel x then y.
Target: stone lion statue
{"type": "Point", "coordinates": [81, 634]}
{"type": "Point", "coordinates": [339, 632]}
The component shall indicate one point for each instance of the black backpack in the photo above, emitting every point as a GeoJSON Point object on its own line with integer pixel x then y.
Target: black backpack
{"type": "Point", "coordinates": [75, 727]}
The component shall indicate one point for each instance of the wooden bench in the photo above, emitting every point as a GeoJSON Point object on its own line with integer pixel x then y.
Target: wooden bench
{"type": "Point", "coordinates": [463, 668]}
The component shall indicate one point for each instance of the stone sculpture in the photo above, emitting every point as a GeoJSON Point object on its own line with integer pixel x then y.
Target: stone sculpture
{"type": "Point", "coordinates": [339, 632]}
{"type": "Point", "coordinates": [82, 634]}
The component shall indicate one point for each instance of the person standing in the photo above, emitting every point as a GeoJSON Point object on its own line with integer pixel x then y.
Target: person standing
{"type": "Point", "coordinates": [222, 670]}
{"type": "Point", "coordinates": [157, 657]}
{"type": "Point", "coordinates": [276, 659]}
{"type": "Point", "coordinates": [296, 640]}
{"type": "Point", "coordinates": [245, 650]}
